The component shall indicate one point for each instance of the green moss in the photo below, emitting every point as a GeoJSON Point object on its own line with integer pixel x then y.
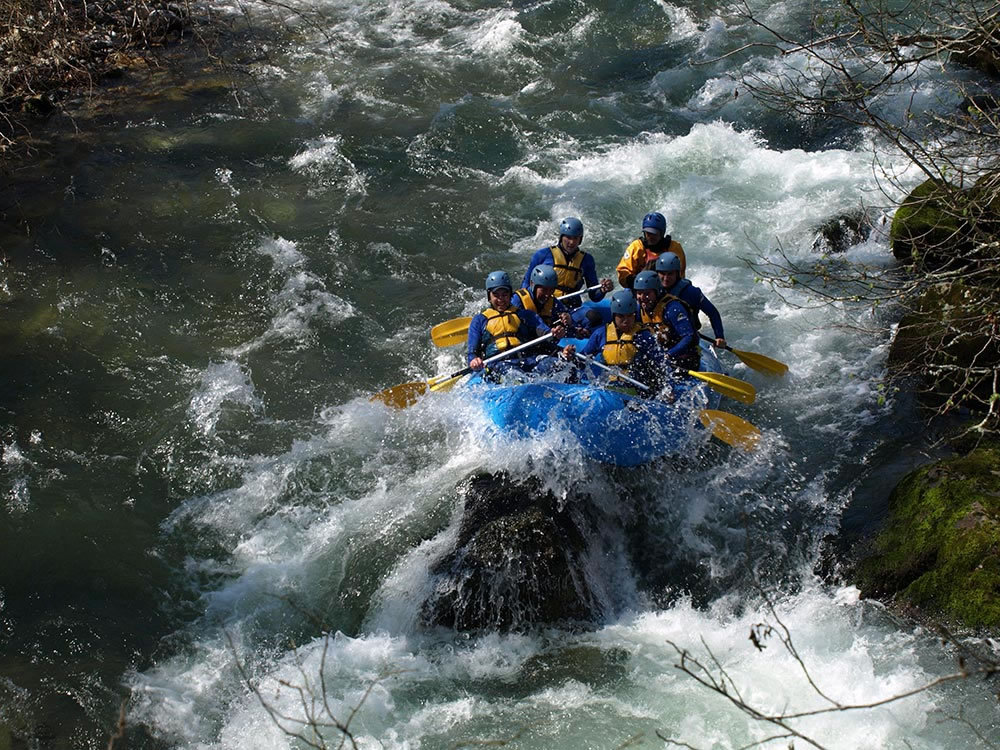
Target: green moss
{"type": "Point", "coordinates": [939, 224]}
{"type": "Point", "coordinates": [920, 226]}
{"type": "Point", "coordinates": [940, 550]}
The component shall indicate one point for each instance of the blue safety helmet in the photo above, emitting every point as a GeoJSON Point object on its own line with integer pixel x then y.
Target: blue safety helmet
{"type": "Point", "coordinates": [571, 227]}
{"type": "Point", "coordinates": [544, 276]}
{"type": "Point", "coordinates": [654, 221]}
{"type": "Point", "coordinates": [623, 303]}
{"type": "Point", "coordinates": [498, 280]}
{"type": "Point", "coordinates": [647, 280]}
{"type": "Point", "coordinates": [668, 262]}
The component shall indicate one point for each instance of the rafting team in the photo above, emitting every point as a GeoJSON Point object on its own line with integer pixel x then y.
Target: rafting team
{"type": "Point", "coordinates": [652, 333]}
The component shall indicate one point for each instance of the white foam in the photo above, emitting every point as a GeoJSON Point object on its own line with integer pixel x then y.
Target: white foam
{"type": "Point", "coordinates": [682, 22]}
{"type": "Point", "coordinates": [323, 160]}
{"type": "Point", "coordinates": [302, 301]}
{"type": "Point", "coordinates": [284, 253]}
{"type": "Point", "coordinates": [497, 33]}
{"type": "Point", "coordinates": [852, 655]}
{"type": "Point", "coordinates": [222, 383]}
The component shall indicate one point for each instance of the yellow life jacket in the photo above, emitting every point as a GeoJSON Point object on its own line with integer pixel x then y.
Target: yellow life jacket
{"type": "Point", "coordinates": [568, 271]}
{"type": "Point", "coordinates": [656, 321]}
{"type": "Point", "coordinates": [502, 328]}
{"type": "Point", "coordinates": [620, 350]}
{"type": "Point", "coordinates": [528, 303]}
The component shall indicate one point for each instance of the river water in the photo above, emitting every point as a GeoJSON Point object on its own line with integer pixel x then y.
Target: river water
{"type": "Point", "coordinates": [197, 304]}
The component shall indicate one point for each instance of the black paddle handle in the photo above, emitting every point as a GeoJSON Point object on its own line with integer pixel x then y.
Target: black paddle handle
{"type": "Point", "coordinates": [727, 347]}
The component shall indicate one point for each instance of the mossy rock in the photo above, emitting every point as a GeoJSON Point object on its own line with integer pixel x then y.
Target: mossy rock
{"type": "Point", "coordinates": [922, 231]}
{"type": "Point", "coordinates": [940, 550]}
{"type": "Point", "coordinates": [939, 225]}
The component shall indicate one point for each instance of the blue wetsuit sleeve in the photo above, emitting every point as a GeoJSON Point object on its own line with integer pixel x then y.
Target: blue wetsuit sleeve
{"type": "Point", "coordinates": [531, 325]}
{"type": "Point", "coordinates": [476, 329]}
{"type": "Point", "coordinates": [713, 316]}
{"type": "Point", "coordinates": [682, 325]}
{"type": "Point", "coordinates": [589, 269]}
{"type": "Point", "coordinates": [595, 344]}
{"type": "Point", "coordinates": [541, 257]}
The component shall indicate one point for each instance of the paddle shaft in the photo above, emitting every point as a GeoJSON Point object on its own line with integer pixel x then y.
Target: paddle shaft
{"type": "Point", "coordinates": [580, 293]}
{"type": "Point", "coordinates": [502, 355]}
{"type": "Point", "coordinates": [613, 370]}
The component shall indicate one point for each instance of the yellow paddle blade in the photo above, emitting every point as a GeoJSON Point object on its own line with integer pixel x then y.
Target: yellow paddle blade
{"type": "Point", "coordinates": [731, 429]}
{"type": "Point", "coordinates": [451, 332]}
{"type": "Point", "coordinates": [401, 396]}
{"type": "Point", "coordinates": [727, 386]}
{"type": "Point", "coordinates": [761, 363]}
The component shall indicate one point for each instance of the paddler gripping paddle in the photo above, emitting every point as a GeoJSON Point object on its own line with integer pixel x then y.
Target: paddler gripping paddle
{"type": "Point", "coordinates": [727, 427]}
{"type": "Point", "coordinates": [402, 396]}
{"type": "Point", "coordinates": [755, 361]}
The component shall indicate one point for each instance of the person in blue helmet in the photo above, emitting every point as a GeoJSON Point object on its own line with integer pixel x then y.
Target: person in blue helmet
{"type": "Point", "coordinates": [501, 326]}
{"type": "Point", "coordinates": [668, 269]}
{"type": "Point", "coordinates": [573, 266]}
{"type": "Point", "coordinates": [642, 253]}
{"type": "Point", "coordinates": [668, 318]}
{"type": "Point", "coordinates": [625, 343]}
{"type": "Point", "coordinates": [541, 300]}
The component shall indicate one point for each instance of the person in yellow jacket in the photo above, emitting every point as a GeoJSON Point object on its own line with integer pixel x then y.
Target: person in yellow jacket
{"type": "Point", "coordinates": [668, 318]}
{"type": "Point", "coordinates": [501, 326]}
{"type": "Point", "coordinates": [625, 343]}
{"type": "Point", "coordinates": [541, 300]}
{"type": "Point", "coordinates": [641, 255]}
{"type": "Point", "coordinates": [573, 266]}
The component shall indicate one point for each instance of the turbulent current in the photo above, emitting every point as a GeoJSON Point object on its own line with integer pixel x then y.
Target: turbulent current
{"type": "Point", "coordinates": [207, 522]}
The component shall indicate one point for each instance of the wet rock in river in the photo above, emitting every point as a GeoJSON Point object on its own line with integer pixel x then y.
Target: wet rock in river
{"type": "Point", "coordinates": [519, 560]}
{"type": "Point", "coordinates": [843, 232]}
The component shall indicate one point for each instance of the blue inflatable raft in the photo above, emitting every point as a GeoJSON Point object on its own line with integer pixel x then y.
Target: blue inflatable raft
{"type": "Point", "coordinates": [612, 426]}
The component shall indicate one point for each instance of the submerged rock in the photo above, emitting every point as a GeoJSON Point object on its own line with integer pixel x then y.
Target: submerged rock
{"type": "Point", "coordinates": [940, 550]}
{"type": "Point", "coordinates": [843, 232]}
{"type": "Point", "coordinates": [519, 560]}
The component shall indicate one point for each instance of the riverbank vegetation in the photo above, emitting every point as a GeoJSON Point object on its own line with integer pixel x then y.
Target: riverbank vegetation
{"type": "Point", "coordinates": [52, 49]}
{"type": "Point", "coordinates": [860, 67]}
{"type": "Point", "coordinates": [940, 304]}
